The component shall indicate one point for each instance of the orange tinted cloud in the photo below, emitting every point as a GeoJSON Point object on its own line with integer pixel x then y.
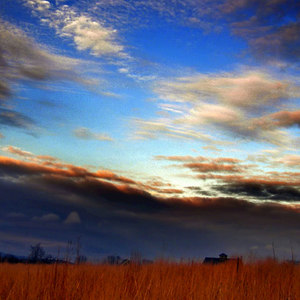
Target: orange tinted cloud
{"type": "Point", "coordinates": [44, 165]}
{"type": "Point", "coordinates": [203, 164]}
{"type": "Point", "coordinates": [212, 167]}
{"type": "Point", "coordinates": [278, 119]}
{"type": "Point", "coordinates": [227, 160]}
{"type": "Point", "coordinates": [179, 158]}
{"type": "Point", "coordinates": [61, 169]}
{"type": "Point", "coordinates": [108, 175]}
{"type": "Point", "coordinates": [28, 155]}
{"type": "Point", "coordinates": [188, 158]}
{"type": "Point", "coordinates": [287, 118]}
{"type": "Point", "coordinates": [17, 151]}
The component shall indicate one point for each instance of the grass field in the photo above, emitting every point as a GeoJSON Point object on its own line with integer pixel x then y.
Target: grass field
{"type": "Point", "coordinates": [161, 280]}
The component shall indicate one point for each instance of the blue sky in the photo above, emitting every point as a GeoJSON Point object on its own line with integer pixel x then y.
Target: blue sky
{"type": "Point", "coordinates": [166, 119]}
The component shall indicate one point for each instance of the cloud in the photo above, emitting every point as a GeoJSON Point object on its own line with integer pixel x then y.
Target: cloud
{"type": "Point", "coordinates": [273, 186]}
{"type": "Point", "coordinates": [46, 160]}
{"type": "Point", "coordinates": [21, 59]}
{"type": "Point", "coordinates": [152, 129]}
{"type": "Point", "coordinates": [47, 218]}
{"type": "Point", "coordinates": [133, 216]}
{"type": "Point", "coordinates": [267, 191]}
{"type": "Point", "coordinates": [283, 119]}
{"type": "Point", "coordinates": [238, 104]}
{"type": "Point", "coordinates": [91, 35]}
{"type": "Point", "coordinates": [211, 148]}
{"type": "Point", "coordinates": [276, 158]}
{"type": "Point", "coordinates": [243, 180]}
{"type": "Point", "coordinates": [77, 180]}
{"type": "Point", "coordinates": [198, 159]}
{"type": "Point", "coordinates": [252, 89]}
{"type": "Point", "coordinates": [212, 167]}
{"type": "Point", "coordinates": [18, 151]}
{"type": "Point", "coordinates": [86, 32]}
{"type": "Point", "coordinates": [46, 165]}
{"type": "Point", "coordinates": [235, 123]}
{"type": "Point", "coordinates": [137, 13]}
{"type": "Point", "coordinates": [1, 136]}
{"type": "Point", "coordinates": [180, 158]}
{"type": "Point", "coordinates": [15, 119]}
{"type": "Point", "coordinates": [201, 192]}
{"type": "Point", "coordinates": [202, 164]}
{"type": "Point", "coordinates": [38, 166]}
{"type": "Point", "coordinates": [86, 134]}
{"type": "Point", "coordinates": [270, 178]}
{"type": "Point", "coordinates": [73, 218]}
{"type": "Point", "coordinates": [290, 160]}
{"type": "Point", "coordinates": [108, 175]}
{"type": "Point", "coordinates": [39, 5]}
{"type": "Point", "coordinates": [272, 29]}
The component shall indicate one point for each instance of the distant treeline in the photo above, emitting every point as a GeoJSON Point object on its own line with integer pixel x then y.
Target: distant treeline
{"type": "Point", "coordinates": [37, 254]}
{"type": "Point", "coordinates": [13, 259]}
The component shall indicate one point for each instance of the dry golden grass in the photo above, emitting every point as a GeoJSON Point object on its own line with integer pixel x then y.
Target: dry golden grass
{"type": "Point", "coordinates": [257, 281]}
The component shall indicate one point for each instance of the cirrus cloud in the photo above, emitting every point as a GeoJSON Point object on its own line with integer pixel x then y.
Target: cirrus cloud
{"type": "Point", "coordinates": [86, 134]}
{"type": "Point", "coordinates": [239, 104]}
{"type": "Point", "coordinates": [250, 90]}
{"type": "Point", "coordinates": [22, 59]}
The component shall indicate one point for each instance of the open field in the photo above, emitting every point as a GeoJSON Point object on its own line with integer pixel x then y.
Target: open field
{"type": "Point", "coordinates": [257, 281]}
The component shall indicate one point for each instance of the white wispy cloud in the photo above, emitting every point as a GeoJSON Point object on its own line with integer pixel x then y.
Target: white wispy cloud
{"type": "Point", "coordinates": [240, 104]}
{"type": "Point", "coordinates": [154, 128]}
{"type": "Point", "coordinates": [86, 32]}
{"type": "Point", "coordinates": [253, 89]}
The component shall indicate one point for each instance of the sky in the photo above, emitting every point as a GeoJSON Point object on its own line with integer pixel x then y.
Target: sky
{"type": "Point", "coordinates": [166, 127]}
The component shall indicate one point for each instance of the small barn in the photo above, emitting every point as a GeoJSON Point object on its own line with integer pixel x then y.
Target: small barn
{"type": "Point", "coordinates": [216, 260]}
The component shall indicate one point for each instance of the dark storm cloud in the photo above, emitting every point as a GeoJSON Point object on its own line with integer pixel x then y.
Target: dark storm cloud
{"type": "Point", "coordinates": [200, 191]}
{"type": "Point", "coordinates": [236, 179]}
{"type": "Point", "coordinates": [135, 214]}
{"type": "Point", "coordinates": [263, 191]}
{"type": "Point", "coordinates": [77, 180]}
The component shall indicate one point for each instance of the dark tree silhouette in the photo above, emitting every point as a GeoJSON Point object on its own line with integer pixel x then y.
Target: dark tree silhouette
{"type": "Point", "coordinates": [37, 253]}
